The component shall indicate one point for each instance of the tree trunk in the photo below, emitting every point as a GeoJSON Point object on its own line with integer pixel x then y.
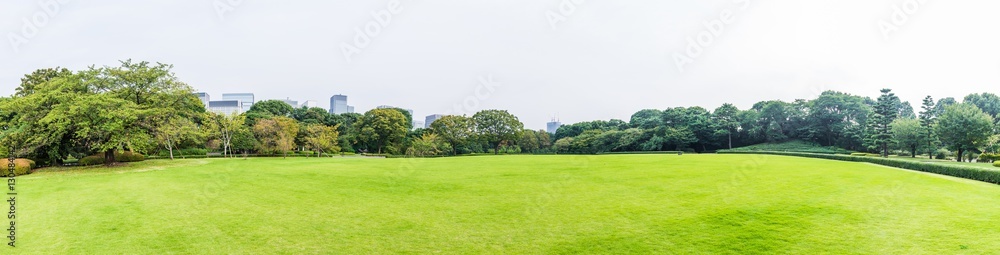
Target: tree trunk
{"type": "Point", "coordinates": [913, 151]}
{"type": "Point", "coordinates": [730, 140]}
{"type": "Point", "coordinates": [171, 149]}
{"type": "Point", "coordinates": [496, 150]}
{"type": "Point", "coordinates": [109, 157]}
{"type": "Point", "coordinates": [959, 157]}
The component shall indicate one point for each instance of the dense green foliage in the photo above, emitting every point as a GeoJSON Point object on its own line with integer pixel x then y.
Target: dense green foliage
{"type": "Point", "coordinates": [793, 146]}
{"type": "Point", "coordinates": [609, 204]}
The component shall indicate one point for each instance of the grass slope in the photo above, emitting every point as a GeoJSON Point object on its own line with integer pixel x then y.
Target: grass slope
{"type": "Point", "coordinates": [728, 204]}
{"type": "Point", "coordinates": [794, 146]}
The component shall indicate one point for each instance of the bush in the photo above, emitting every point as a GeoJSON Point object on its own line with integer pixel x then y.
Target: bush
{"type": "Point", "coordinates": [967, 172]}
{"type": "Point", "coordinates": [129, 156]}
{"type": "Point", "coordinates": [996, 164]}
{"type": "Point", "coordinates": [189, 152]}
{"type": "Point", "coordinates": [98, 158]}
{"type": "Point", "coordinates": [21, 166]}
{"type": "Point", "coordinates": [989, 157]}
{"type": "Point", "coordinates": [942, 154]}
{"type": "Point", "coordinates": [91, 160]}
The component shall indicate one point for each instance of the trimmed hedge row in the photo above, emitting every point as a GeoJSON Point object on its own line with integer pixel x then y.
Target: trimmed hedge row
{"type": "Point", "coordinates": [967, 172]}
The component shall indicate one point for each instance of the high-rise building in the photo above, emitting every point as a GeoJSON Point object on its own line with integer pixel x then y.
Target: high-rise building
{"type": "Point", "coordinates": [552, 126]}
{"type": "Point", "coordinates": [293, 103]}
{"type": "Point", "coordinates": [226, 106]}
{"type": "Point", "coordinates": [389, 106]}
{"type": "Point", "coordinates": [246, 99]}
{"type": "Point", "coordinates": [203, 97]}
{"type": "Point", "coordinates": [310, 104]}
{"type": "Point", "coordinates": [418, 124]}
{"type": "Point", "coordinates": [430, 119]}
{"type": "Point", "coordinates": [338, 105]}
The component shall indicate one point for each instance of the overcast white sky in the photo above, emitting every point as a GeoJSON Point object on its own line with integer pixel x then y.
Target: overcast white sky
{"type": "Point", "coordinates": [606, 59]}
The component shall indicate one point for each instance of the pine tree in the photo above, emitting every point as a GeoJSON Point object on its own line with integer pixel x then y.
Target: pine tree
{"type": "Point", "coordinates": [880, 123]}
{"type": "Point", "coordinates": [927, 120]}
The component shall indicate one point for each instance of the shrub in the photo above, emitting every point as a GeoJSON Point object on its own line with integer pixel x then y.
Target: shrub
{"type": "Point", "coordinates": [98, 158]}
{"type": "Point", "coordinates": [996, 164]}
{"type": "Point", "coordinates": [189, 152]}
{"type": "Point", "coordinates": [21, 166]}
{"type": "Point", "coordinates": [91, 160]}
{"type": "Point", "coordinates": [967, 172]}
{"type": "Point", "coordinates": [988, 157]}
{"type": "Point", "coordinates": [942, 154]}
{"type": "Point", "coordinates": [129, 156]}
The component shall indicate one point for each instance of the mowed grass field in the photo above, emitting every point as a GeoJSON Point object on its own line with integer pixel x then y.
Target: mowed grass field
{"type": "Point", "coordinates": [639, 204]}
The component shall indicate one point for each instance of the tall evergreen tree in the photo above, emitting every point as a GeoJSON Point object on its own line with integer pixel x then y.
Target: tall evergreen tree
{"type": "Point", "coordinates": [885, 112]}
{"type": "Point", "coordinates": [927, 120]}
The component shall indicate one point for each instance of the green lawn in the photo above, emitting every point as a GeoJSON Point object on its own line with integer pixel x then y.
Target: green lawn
{"type": "Point", "coordinates": [987, 166]}
{"type": "Point", "coordinates": [642, 204]}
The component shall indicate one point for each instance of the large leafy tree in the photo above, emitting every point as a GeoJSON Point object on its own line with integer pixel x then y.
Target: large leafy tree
{"type": "Point", "coordinates": [497, 127]}
{"type": "Point", "coordinates": [106, 123]}
{"type": "Point", "coordinates": [964, 127]}
{"type": "Point", "coordinates": [832, 114]}
{"type": "Point", "coordinates": [728, 122]}
{"type": "Point", "coordinates": [38, 117]}
{"type": "Point", "coordinates": [454, 130]}
{"type": "Point", "coordinates": [646, 119]}
{"type": "Point", "coordinates": [988, 102]}
{"type": "Point", "coordinates": [382, 129]}
{"type": "Point", "coordinates": [886, 111]}
{"type": "Point", "coordinates": [225, 127]}
{"type": "Point", "coordinates": [276, 134]}
{"type": "Point", "coordinates": [907, 134]}
{"type": "Point", "coordinates": [175, 131]}
{"type": "Point", "coordinates": [321, 138]}
{"type": "Point", "coordinates": [267, 109]}
{"type": "Point", "coordinates": [31, 81]}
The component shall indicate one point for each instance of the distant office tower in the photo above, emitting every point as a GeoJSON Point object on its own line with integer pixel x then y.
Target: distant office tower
{"type": "Point", "coordinates": [226, 106]}
{"type": "Point", "coordinates": [203, 97]}
{"type": "Point", "coordinates": [310, 104]}
{"type": "Point", "coordinates": [246, 99]}
{"type": "Point", "coordinates": [338, 105]}
{"type": "Point", "coordinates": [293, 103]}
{"type": "Point", "coordinates": [430, 119]}
{"type": "Point", "coordinates": [418, 124]}
{"type": "Point", "coordinates": [552, 126]}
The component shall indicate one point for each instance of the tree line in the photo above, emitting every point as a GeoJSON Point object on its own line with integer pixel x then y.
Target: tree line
{"type": "Point", "coordinates": [141, 107]}
{"type": "Point", "coordinates": [833, 119]}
